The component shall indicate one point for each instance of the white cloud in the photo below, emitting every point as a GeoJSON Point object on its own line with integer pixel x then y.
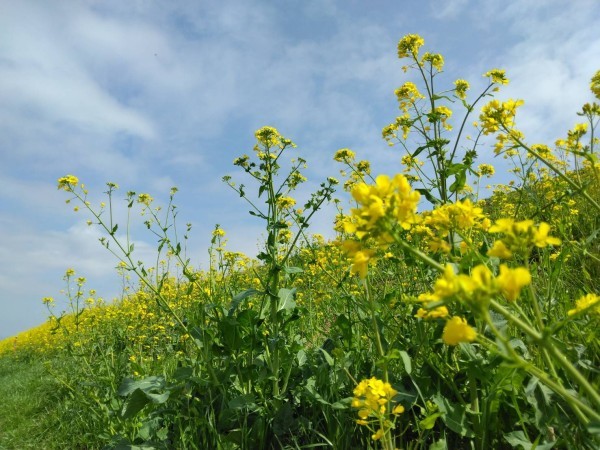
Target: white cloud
{"type": "Point", "coordinates": [42, 79]}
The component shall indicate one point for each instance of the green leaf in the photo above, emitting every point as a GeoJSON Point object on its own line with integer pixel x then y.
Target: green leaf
{"type": "Point", "coordinates": [518, 439]}
{"type": "Point", "coordinates": [286, 299]}
{"type": "Point", "coordinates": [429, 422]}
{"type": "Point", "coordinates": [407, 362]}
{"type": "Point", "coordinates": [239, 298]}
{"type": "Point", "coordinates": [291, 270]}
{"type": "Point", "coordinates": [135, 403]}
{"type": "Point", "coordinates": [327, 356]}
{"type": "Point", "coordinates": [454, 416]}
{"type": "Point", "coordinates": [427, 194]}
{"type": "Point", "coordinates": [243, 401]}
{"type": "Point", "coordinates": [147, 384]}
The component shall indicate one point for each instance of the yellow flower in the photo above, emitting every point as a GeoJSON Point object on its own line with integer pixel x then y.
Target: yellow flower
{"type": "Point", "coordinates": [398, 409]}
{"type": "Point", "coordinates": [486, 170]}
{"type": "Point", "coordinates": [499, 250]}
{"type": "Point", "coordinates": [435, 313]}
{"type": "Point", "coordinates": [344, 155]}
{"type": "Point", "coordinates": [497, 75]}
{"type": "Point", "coordinates": [268, 136]}
{"type": "Point", "coordinates": [595, 84]}
{"type": "Point", "coordinates": [286, 202]}
{"type": "Point", "coordinates": [461, 88]}
{"type": "Point", "coordinates": [378, 435]}
{"type": "Point", "coordinates": [541, 238]}
{"type": "Point", "coordinates": [407, 95]}
{"type": "Point", "coordinates": [409, 45]}
{"type": "Point", "coordinates": [496, 115]}
{"type": "Point", "coordinates": [67, 183]}
{"type": "Point", "coordinates": [511, 281]}
{"type": "Point", "coordinates": [435, 59]}
{"type": "Point", "coordinates": [457, 330]}
{"type": "Point", "coordinates": [589, 302]}
{"type": "Point", "coordinates": [145, 199]}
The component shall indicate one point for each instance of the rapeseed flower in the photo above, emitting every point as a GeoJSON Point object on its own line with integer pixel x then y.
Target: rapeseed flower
{"type": "Point", "coordinates": [497, 75]}
{"type": "Point", "coordinates": [461, 88]}
{"type": "Point", "coordinates": [68, 182]}
{"type": "Point", "coordinates": [496, 115]}
{"type": "Point", "coordinates": [595, 84]}
{"type": "Point", "coordinates": [457, 330]}
{"type": "Point", "coordinates": [409, 45]}
{"type": "Point", "coordinates": [589, 303]}
{"type": "Point", "coordinates": [520, 237]}
{"type": "Point", "coordinates": [344, 155]}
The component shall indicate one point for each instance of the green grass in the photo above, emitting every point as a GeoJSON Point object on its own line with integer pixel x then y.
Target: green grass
{"type": "Point", "coordinates": [27, 403]}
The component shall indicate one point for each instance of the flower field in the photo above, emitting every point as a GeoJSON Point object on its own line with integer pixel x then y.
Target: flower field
{"type": "Point", "coordinates": [433, 319]}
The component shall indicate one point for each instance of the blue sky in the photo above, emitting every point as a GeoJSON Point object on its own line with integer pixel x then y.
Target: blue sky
{"type": "Point", "coordinates": [154, 94]}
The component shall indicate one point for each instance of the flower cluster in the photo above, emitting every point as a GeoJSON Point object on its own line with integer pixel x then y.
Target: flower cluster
{"type": "Point", "coordinates": [67, 183]}
{"type": "Point", "coordinates": [462, 216]}
{"type": "Point", "coordinates": [479, 287]}
{"type": "Point", "coordinates": [496, 115]}
{"type": "Point", "coordinates": [372, 397]}
{"type": "Point", "coordinates": [461, 88]}
{"type": "Point", "coordinates": [589, 303]}
{"type": "Point", "coordinates": [408, 94]}
{"type": "Point", "coordinates": [409, 45]}
{"type": "Point", "coordinates": [520, 237]}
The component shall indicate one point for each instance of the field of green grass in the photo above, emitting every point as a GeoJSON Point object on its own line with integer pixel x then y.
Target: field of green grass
{"type": "Point", "coordinates": [434, 319]}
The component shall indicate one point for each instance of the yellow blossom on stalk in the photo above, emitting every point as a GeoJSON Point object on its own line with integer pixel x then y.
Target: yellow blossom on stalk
{"type": "Point", "coordinates": [595, 84]}
{"type": "Point", "coordinates": [218, 232]}
{"type": "Point", "coordinates": [435, 59]}
{"type": "Point", "coordinates": [403, 122]}
{"type": "Point", "coordinates": [519, 237]}
{"type": "Point", "coordinates": [499, 250]}
{"type": "Point", "coordinates": [435, 313]}
{"type": "Point", "coordinates": [407, 95]}
{"type": "Point", "coordinates": [459, 216]}
{"type": "Point", "coordinates": [286, 202]}
{"type": "Point", "coordinates": [67, 182]}
{"type": "Point", "coordinates": [145, 199]}
{"type": "Point", "coordinates": [48, 301]}
{"type": "Point", "coordinates": [457, 330]}
{"type": "Point", "coordinates": [364, 166]}
{"type": "Point", "coordinates": [443, 113]}
{"type": "Point", "coordinates": [268, 136]}
{"type": "Point", "coordinates": [496, 115]}
{"type": "Point", "coordinates": [409, 45]}
{"type": "Point", "coordinates": [372, 398]}
{"type": "Point", "coordinates": [542, 150]}
{"type": "Point", "coordinates": [389, 197]}
{"type": "Point", "coordinates": [486, 170]}
{"type": "Point", "coordinates": [590, 303]}
{"type": "Point", "coordinates": [497, 75]}
{"type": "Point", "coordinates": [344, 155]}
{"type": "Point", "coordinates": [360, 257]}
{"type": "Point", "coordinates": [461, 88]}
{"type": "Point", "coordinates": [511, 281]}
{"type": "Point", "coordinates": [479, 287]}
